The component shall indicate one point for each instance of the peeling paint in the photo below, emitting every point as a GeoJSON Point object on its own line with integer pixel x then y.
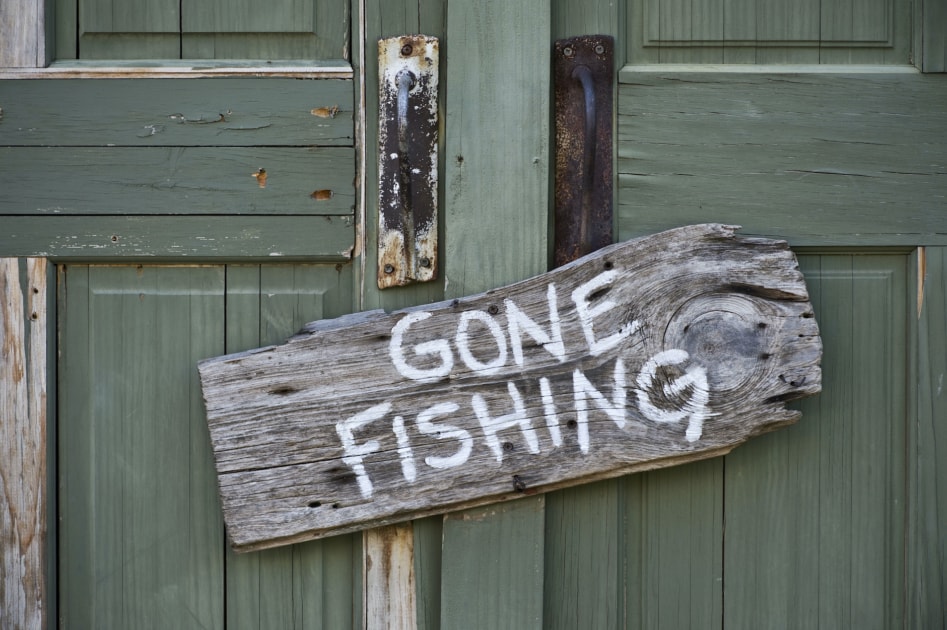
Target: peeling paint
{"type": "Point", "coordinates": [260, 177]}
{"type": "Point", "coordinates": [325, 112]}
{"type": "Point", "coordinates": [321, 195]}
{"type": "Point", "coordinates": [408, 174]}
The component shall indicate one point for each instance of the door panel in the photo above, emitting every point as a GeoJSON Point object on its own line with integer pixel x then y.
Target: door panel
{"type": "Point", "coordinates": [142, 542]}
{"type": "Point", "coordinates": [769, 31]}
{"type": "Point", "coordinates": [815, 513]}
{"type": "Point", "coordinates": [313, 584]}
{"type": "Point", "coordinates": [195, 29]}
{"type": "Point", "coordinates": [141, 532]}
{"type": "Point", "coordinates": [817, 159]}
{"type": "Point", "coordinates": [800, 528]}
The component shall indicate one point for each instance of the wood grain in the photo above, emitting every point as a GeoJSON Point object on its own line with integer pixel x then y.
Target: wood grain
{"type": "Point", "coordinates": [737, 306]}
{"type": "Point", "coordinates": [175, 112]}
{"type": "Point", "coordinates": [816, 159]}
{"type": "Point", "coordinates": [23, 499]}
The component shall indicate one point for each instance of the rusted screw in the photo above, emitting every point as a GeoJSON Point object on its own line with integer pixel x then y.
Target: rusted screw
{"type": "Point", "coordinates": [406, 50]}
{"type": "Point", "coordinates": [389, 268]}
{"type": "Point", "coordinates": [493, 309]}
{"type": "Point", "coordinates": [599, 49]}
{"type": "Point", "coordinates": [518, 484]}
{"type": "Point", "coordinates": [425, 262]}
{"type": "Point", "coordinates": [568, 51]}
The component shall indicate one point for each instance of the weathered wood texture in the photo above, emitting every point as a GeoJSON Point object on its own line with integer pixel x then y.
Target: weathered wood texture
{"type": "Point", "coordinates": [732, 312]}
{"type": "Point", "coordinates": [140, 149]}
{"type": "Point", "coordinates": [389, 577]}
{"type": "Point", "coordinates": [768, 31]}
{"type": "Point", "coordinates": [165, 238]}
{"type": "Point", "coordinates": [496, 192]}
{"type": "Point", "coordinates": [23, 36]}
{"type": "Point", "coordinates": [216, 112]}
{"type": "Point", "coordinates": [927, 467]}
{"type": "Point", "coordinates": [815, 159]}
{"type": "Point", "coordinates": [174, 180]}
{"type": "Point", "coordinates": [23, 491]}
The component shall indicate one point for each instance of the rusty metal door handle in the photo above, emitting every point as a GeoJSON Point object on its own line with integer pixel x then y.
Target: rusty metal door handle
{"type": "Point", "coordinates": [583, 74]}
{"type": "Point", "coordinates": [407, 160]}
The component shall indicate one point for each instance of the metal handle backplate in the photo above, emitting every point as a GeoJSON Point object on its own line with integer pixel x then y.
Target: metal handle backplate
{"type": "Point", "coordinates": [583, 79]}
{"type": "Point", "coordinates": [407, 160]}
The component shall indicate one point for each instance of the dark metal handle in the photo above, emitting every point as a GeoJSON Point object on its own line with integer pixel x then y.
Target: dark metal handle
{"type": "Point", "coordinates": [405, 80]}
{"type": "Point", "coordinates": [584, 76]}
{"type": "Point", "coordinates": [583, 80]}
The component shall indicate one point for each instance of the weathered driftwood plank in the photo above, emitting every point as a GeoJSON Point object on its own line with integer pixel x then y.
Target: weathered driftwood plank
{"type": "Point", "coordinates": [650, 353]}
{"type": "Point", "coordinates": [23, 443]}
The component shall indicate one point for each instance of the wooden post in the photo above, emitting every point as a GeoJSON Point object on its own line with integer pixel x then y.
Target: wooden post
{"type": "Point", "coordinates": [23, 444]}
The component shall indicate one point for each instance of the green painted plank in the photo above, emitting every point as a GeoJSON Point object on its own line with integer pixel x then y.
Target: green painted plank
{"type": "Point", "coordinates": [927, 454]}
{"type": "Point", "coordinates": [815, 513]}
{"type": "Point", "coordinates": [495, 179]}
{"type": "Point", "coordinates": [932, 42]}
{"type": "Point", "coordinates": [816, 159]}
{"type": "Point", "coordinates": [163, 238]}
{"type": "Point", "coordinates": [310, 585]}
{"type": "Point", "coordinates": [176, 112]}
{"type": "Point", "coordinates": [673, 547]}
{"type": "Point", "coordinates": [493, 565]}
{"type": "Point", "coordinates": [178, 180]}
{"type": "Point", "coordinates": [497, 145]}
{"type": "Point", "coordinates": [584, 583]}
{"type": "Point", "coordinates": [140, 525]}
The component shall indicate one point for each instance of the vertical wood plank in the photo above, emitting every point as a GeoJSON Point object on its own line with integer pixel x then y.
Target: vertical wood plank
{"type": "Point", "coordinates": [496, 215]}
{"type": "Point", "coordinates": [497, 144]}
{"type": "Point", "coordinates": [382, 19]}
{"type": "Point", "coordinates": [673, 547]}
{"type": "Point", "coordinates": [389, 570]}
{"type": "Point", "coordinates": [584, 568]}
{"type": "Point", "coordinates": [815, 513]}
{"type": "Point", "coordinates": [927, 454]}
{"type": "Point", "coordinates": [493, 567]}
{"type": "Point", "coordinates": [23, 34]}
{"type": "Point", "coordinates": [23, 492]}
{"type": "Point", "coordinates": [313, 584]}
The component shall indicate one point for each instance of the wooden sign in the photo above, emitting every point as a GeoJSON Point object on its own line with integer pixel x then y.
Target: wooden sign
{"type": "Point", "coordinates": [650, 353]}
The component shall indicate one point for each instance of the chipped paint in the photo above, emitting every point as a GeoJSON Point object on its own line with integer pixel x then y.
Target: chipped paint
{"type": "Point", "coordinates": [321, 195]}
{"type": "Point", "coordinates": [408, 176]}
{"type": "Point", "coordinates": [260, 177]}
{"type": "Point", "coordinates": [325, 112]}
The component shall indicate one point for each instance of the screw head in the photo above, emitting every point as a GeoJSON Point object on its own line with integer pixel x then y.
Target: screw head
{"type": "Point", "coordinates": [599, 49]}
{"type": "Point", "coordinates": [389, 268]}
{"type": "Point", "coordinates": [568, 51]}
{"type": "Point", "coordinates": [406, 50]}
{"type": "Point", "coordinates": [425, 262]}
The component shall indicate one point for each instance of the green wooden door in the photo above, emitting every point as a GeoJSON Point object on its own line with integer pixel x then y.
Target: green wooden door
{"type": "Point", "coordinates": [168, 250]}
